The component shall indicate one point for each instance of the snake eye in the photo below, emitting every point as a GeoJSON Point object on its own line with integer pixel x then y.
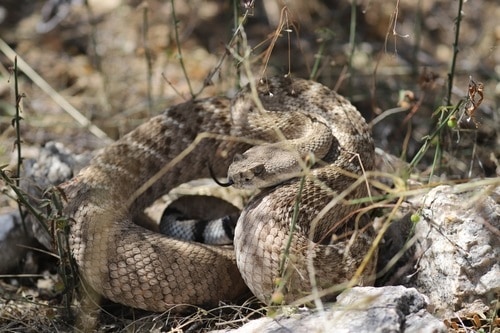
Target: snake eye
{"type": "Point", "coordinates": [259, 169]}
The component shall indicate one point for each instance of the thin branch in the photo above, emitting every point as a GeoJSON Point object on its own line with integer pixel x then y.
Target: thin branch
{"type": "Point", "coordinates": [179, 50]}
{"type": "Point", "coordinates": [451, 74]}
{"type": "Point", "coordinates": [147, 56]}
{"type": "Point", "coordinates": [16, 122]}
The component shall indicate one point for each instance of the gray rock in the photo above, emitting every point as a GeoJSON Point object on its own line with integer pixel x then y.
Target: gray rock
{"type": "Point", "coordinates": [14, 240]}
{"type": "Point", "coordinates": [361, 309]}
{"type": "Point", "coordinates": [458, 248]}
{"type": "Point", "coordinates": [53, 165]}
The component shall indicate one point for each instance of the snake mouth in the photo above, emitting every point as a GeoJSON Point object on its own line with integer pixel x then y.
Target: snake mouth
{"type": "Point", "coordinates": [218, 182]}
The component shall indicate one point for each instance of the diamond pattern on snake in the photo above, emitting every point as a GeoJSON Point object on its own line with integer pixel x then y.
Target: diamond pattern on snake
{"type": "Point", "coordinates": [303, 133]}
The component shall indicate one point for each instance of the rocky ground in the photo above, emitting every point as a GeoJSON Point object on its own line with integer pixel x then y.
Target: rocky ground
{"type": "Point", "coordinates": [118, 63]}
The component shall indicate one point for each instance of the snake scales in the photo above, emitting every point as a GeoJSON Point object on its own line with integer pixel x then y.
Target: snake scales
{"type": "Point", "coordinates": [136, 267]}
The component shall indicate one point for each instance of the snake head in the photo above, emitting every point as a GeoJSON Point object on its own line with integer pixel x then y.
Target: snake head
{"type": "Point", "coordinates": [247, 177]}
{"type": "Point", "coordinates": [263, 166]}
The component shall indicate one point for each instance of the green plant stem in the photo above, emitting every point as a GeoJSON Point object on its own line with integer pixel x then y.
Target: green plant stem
{"type": "Point", "coordinates": [443, 119]}
{"type": "Point", "coordinates": [319, 55]}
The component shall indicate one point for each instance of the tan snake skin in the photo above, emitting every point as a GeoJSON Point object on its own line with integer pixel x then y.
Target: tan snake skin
{"type": "Point", "coordinates": [136, 267]}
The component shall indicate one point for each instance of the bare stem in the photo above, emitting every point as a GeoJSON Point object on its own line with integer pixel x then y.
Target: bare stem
{"type": "Point", "coordinates": [16, 123]}
{"type": "Point", "coordinates": [451, 74]}
{"type": "Point", "coordinates": [352, 38]}
{"type": "Point", "coordinates": [147, 56]}
{"type": "Point", "coordinates": [238, 28]}
{"type": "Point", "coordinates": [179, 50]}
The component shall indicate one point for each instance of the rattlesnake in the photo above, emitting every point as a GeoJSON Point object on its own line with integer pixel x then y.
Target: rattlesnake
{"type": "Point", "coordinates": [142, 269]}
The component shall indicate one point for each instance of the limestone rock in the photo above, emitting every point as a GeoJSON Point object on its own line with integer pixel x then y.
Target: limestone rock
{"type": "Point", "coordinates": [361, 309]}
{"type": "Point", "coordinates": [458, 248]}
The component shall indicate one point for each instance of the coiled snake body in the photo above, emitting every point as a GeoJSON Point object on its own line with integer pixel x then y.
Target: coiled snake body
{"type": "Point", "coordinates": [300, 121]}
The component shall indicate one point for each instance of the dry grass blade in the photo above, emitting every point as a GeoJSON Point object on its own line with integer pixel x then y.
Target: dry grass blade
{"type": "Point", "coordinates": [58, 98]}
